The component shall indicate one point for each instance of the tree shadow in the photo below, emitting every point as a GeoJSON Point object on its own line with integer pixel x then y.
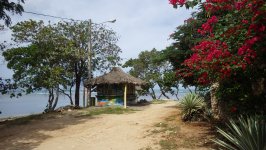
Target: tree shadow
{"type": "Point", "coordinates": [172, 106]}
{"type": "Point", "coordinates": [29, 132]}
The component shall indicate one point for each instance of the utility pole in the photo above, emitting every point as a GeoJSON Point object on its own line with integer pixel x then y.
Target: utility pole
{"type": "Point", "coordinates": [90, 59]}
{"type": "Point", "coordinates": [89, 64]}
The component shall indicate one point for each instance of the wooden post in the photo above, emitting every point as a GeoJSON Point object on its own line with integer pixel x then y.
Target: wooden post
{"type": "Point", "coordinates": [125, 96]}
{"type": "Point", "coordinates": [89, 64]}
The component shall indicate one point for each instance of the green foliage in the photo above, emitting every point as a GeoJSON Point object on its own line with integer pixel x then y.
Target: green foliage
{"type": "Point", "coordinates": [245, 133]}
{"type": "Point", "coordinates": [54, 57]}
{"type": "Point", "coordinates": [185, 37]}
{"type": "Point", "coordinates": [243, 84]}
{"type": "Point", "coordinates": [192, 106]}
{"type": "Point", "coordinates": [157, 101]}
{"type": "Point", "coordinates": [12, 7]}
{"type": "Point", "coordinates": [152, 68]}
{"type": "Point", "coordinates": [237, 93]}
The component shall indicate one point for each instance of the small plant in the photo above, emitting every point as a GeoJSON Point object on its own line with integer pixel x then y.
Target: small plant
{"type": "Point", "coordinates": [245, 133]}
{"type": "Point", "coordinates": [157, 101]}
{"type": "Point", "coordinates": [192, 106]}
{"type": "Point", "coordinates": [105, 110]}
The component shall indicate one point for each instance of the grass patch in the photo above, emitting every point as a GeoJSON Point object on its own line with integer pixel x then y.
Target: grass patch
{"type": "Point", "coordinates": [174, 129]}
{"type": "Point", "coordinates": [106, 110]}
{"type": "Point", "coordinates": [155, 131]}
{"type": "Point", "coordinates": [189, 143]}
{"type": "Point", "coordinates": [161, 124]}
{"type": "Point", "coordinates": [146, 148]}
{"type": "Point", "coordinates": [169, 130]}
{"type": "Point", "coordinates": [157, 101]}
{"type": "Point", "coordinates": [167, 145]}
{"type": "Point", "coordinates": [170, 118]}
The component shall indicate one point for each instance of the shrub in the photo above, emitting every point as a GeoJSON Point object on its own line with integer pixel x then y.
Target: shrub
{"type": "Point", "coordinates": [244, 133]}
{"type": "Point", "coordinates": [192, 106]}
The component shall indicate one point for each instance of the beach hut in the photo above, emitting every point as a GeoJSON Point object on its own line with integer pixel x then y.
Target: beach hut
{"type": "Point", "coordinates": [116, 88]}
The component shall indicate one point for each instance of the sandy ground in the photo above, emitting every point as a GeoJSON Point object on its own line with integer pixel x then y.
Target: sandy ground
{"type": "Point", "coordinates": [103, 132]}
{"type": "Point", "coordinates": [130, 131]}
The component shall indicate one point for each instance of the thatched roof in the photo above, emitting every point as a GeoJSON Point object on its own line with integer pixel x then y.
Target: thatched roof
{"type": "Point", "coordinates": [117, 76]}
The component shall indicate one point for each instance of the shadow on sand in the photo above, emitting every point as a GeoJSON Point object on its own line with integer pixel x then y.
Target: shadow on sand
{"type": "Point", "coordinates": [27, 133]}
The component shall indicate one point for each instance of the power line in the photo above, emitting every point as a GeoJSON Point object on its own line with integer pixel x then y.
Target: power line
{"type": "Point", "coordinates": [46, 15]}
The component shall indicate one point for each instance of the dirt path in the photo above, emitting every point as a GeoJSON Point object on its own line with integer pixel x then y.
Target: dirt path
{"type": "Point", "coordinates": [104, 132]}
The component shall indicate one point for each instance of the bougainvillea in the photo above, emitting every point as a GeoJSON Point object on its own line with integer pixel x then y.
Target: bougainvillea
{"type": "Point", "coordinates": [178, 2]}
{"type": "Point", "coordinates": [208, 26]}
{"type": "Point", "coordinates": [230, 50]}
{"type": "Point", "coordinates": [233, 34]}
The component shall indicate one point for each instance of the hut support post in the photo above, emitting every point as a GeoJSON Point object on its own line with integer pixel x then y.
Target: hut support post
{"type": "Point", "coordinates": [125, 96]}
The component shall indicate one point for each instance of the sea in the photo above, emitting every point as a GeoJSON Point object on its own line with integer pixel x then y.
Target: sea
{"type": "Point", "coordinates": [35, 103]}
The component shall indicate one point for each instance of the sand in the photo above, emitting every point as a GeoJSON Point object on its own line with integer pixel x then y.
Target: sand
{"type": "Point", "coordinates": [103, 132]}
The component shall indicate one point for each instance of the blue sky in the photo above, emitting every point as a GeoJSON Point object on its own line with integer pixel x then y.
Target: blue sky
{"type": "Point", "coordinates": [141, 24]}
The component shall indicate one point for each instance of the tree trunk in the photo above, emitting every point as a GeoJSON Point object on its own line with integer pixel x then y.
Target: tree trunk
{"type": "Point", "coordinates": [160, 96]}
{"type": "Point", "coordinates": [70, 94]}
{"type": "Point", "coordinates": [152, 94]}
{"type": "Point", "coordinates": [49, 106]}
{"type": "Point", "coordinates": [162, 92]}
{"type": "Point", "coordinates": [51, 99]}
{"type": "Point", "coordinates": [78, 80]}
{"type": "Point", "coordinates": [218, 106]}
{"type": "Point", "coordinates": [176, 95]}
{"type": "Point", "coordinates": [56, 99]}
{"type": "Point", "coordinates": [214, 101]}
{"type": "Point", "coordinates": [189, 90]}
{"type": "Point", "coordinates": [196, 90]}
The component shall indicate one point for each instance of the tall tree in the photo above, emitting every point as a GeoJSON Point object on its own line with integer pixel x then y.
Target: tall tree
{"type": "Point", "coordinates": [105, 52]}
{"type": "Point", "coordinates": [38, 65]}
{"type": "Point", "coordinates": [62, 55]}
{"type": "Point", "coordinates": [149, 67]}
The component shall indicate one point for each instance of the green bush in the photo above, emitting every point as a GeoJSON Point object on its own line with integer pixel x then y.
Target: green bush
{"type": "Point", "coordinates": [192, 106]}
{"type": "Point", "coordinates": [245, 133]}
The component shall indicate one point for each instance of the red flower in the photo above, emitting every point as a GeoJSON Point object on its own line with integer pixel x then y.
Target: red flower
{"type": "Point", "coordinates": [173, 2]}
{"type": "Point", "coordinates": [245, 21]}
{"type": "Point", "coordinates": [179, 2]}
{"type": "Point", "coordinates": [262, 28]}
{"type": "Point", "coordinates": [233, 109]}
{"type": "Point", "coordinates": [239, 5]}
{"type": "Point", "coordinates": [208, 26]}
